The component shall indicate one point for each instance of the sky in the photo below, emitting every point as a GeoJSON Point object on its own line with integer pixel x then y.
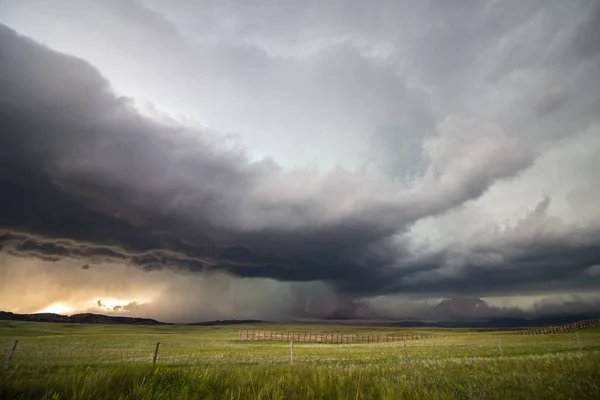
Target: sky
{"type": "Point", "coordinates": [283, 160]}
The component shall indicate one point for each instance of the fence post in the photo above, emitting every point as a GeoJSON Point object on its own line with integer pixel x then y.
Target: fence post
{"type": "Point", "coordinates": [405, 352]}
{"type": "Point", "coordinates": [579, 341]}
{"type": "Point", "coordinates": [500, 347]}
{"type": "Point", "coordinates": [155, 354]}
{"type": "Point", "coordinates": [10, 356]}
{"type": "Point", "coordinates": [292, 352]}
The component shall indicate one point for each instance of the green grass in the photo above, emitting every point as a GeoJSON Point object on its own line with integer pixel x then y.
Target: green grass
{"type": "Point", "coordinates": [70, 361]}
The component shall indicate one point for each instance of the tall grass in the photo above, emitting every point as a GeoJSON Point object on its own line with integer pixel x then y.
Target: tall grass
{"type": "Point", "coordinates": [568, 377]}
{"type": "Point", "coordinates": [54, 361]}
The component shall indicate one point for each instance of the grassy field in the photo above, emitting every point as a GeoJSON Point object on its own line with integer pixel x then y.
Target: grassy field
{"type": "Point", "coordinates": [72, 361]}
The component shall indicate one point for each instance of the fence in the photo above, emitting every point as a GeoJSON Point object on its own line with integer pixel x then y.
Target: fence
{"type": "Point", "coordinates": [567, 328]}
{"type": "Point", "coordinates": [459, 345]}
{"type": "Point", "coordinates": [324, 337]}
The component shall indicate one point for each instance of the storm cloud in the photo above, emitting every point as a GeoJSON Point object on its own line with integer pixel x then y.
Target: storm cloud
{"type": "Point", "coordinates": [450, 157]}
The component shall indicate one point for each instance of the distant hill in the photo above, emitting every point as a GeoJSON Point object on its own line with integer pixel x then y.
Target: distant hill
{"type": "Point", "coordinates": [228, 322]}
{"type": "Point", "coordinates": [494, 323]}
{"type": "Point", "coordinates": [86, 318]}
{"type": "Point", "coordinates": [89, 318]}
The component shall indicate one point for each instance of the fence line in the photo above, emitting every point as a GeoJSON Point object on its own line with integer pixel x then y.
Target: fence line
{"type": "Point", "coordinates": [324, 337]}
{"type": "Point", "coordinates": [337, 337]}
{"type": "Point", "coordinates": [567, 328]}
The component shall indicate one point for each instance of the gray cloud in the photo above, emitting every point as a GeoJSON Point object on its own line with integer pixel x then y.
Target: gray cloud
{"type": "Point", "coordinates": [121, 178]}
{"type": "Point", "coordinates": [433, 116]}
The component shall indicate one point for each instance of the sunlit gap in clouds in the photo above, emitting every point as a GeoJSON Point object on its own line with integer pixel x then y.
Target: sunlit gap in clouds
{"type": "Point", "coordinates": [56, 308]}
{"type": "Point", "coordinates": [96, 305]}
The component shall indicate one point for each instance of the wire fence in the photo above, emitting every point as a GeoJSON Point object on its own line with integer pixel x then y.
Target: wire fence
{"type": "Point", "coordinates": [326, 337]}
{"type": "Point", "coordinates": [567, 328]}
{"type": "Point", "coordinates": [112, 345]}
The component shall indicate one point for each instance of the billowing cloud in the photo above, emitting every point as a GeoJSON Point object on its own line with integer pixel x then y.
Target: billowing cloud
{"type": "Point", "coordinates": [424, 140]}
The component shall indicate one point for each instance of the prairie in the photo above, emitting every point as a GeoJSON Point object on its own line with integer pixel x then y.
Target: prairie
{"type": "Point", "coordinates": [76, 361]}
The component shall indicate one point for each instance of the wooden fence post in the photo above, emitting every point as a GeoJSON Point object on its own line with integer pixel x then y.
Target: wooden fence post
{"type": "Point", "coordinates": [500, 347]}
{"type": "Point", "coordinates": [578, 341]}
{"type": "Point", "coordinates": [10, 356]}
{"type": "Point", "coordinates": [405, 352]}
{"type": "Point", "coordinates": [155, 354]}
{"type": "Point", "coordinates": [292, 352]}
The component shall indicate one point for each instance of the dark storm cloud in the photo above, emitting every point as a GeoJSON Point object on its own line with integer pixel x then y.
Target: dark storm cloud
{"type": "Point", "coordinates": [85, 176]}
{"type": "Point", "coordinates": [457, 308]}
{"type": "Point", "coordinates": [475, 308]}
{"type": "Point", "coordinates": [538, 255]}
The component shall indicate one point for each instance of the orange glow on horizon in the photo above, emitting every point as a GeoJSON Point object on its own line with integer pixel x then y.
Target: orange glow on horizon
{"type": "Point", "coordinates": [57, 308]}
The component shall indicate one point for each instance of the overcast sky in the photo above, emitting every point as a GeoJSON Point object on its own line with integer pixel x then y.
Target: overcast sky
{"type": "Point", "coordinates": [195, 160]}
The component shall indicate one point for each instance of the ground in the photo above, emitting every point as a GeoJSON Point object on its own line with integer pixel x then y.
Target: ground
{"type": "Point", "coordinates": [65, 361]}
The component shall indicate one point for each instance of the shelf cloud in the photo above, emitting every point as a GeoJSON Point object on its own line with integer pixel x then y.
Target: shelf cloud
{"type": "Point", "coordinates": [322, 154]}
